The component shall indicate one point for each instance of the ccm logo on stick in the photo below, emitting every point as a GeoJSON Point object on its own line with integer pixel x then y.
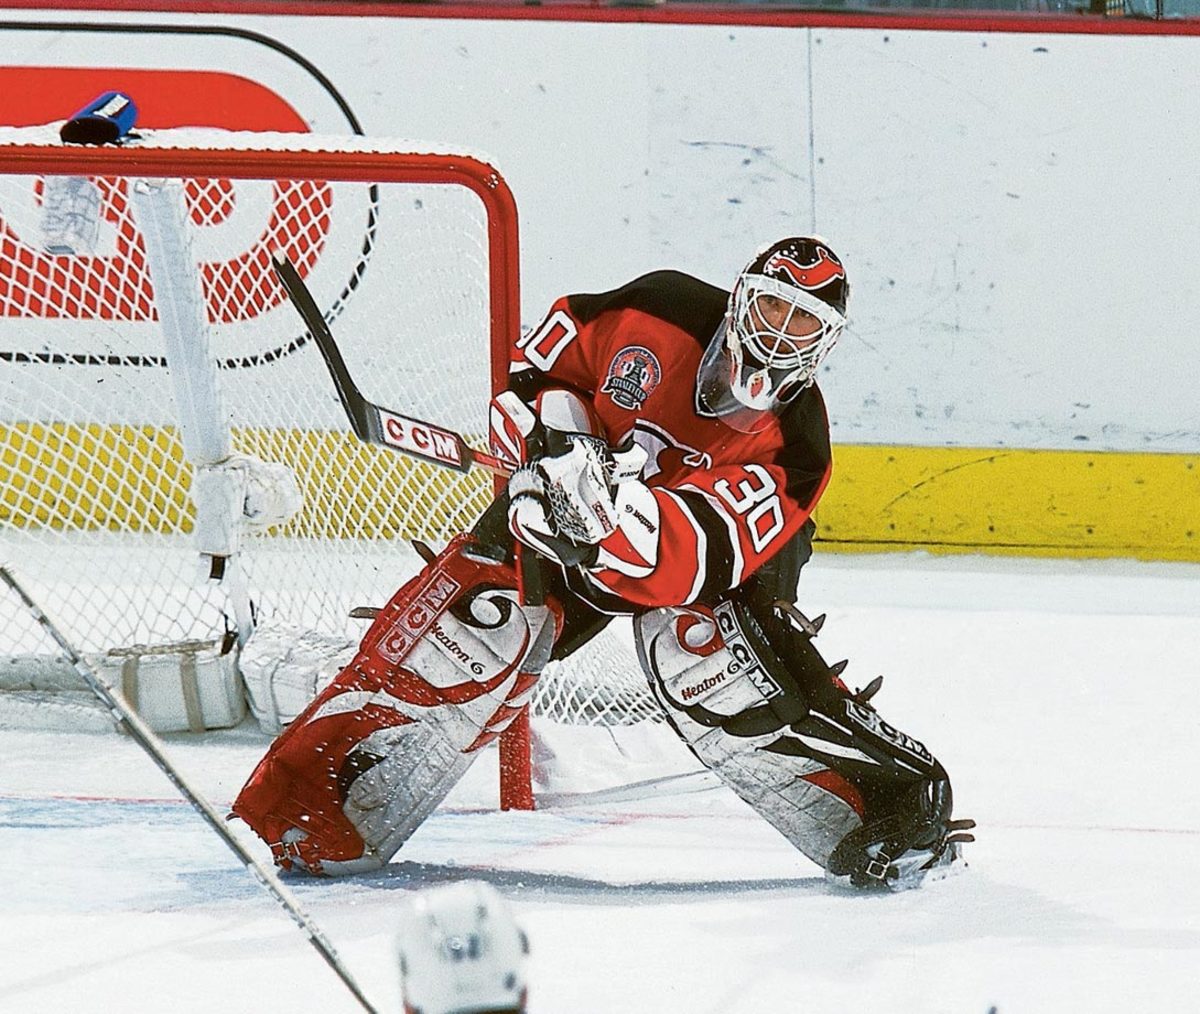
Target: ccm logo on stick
{"type": "Point", "coordinates": [421, 439]}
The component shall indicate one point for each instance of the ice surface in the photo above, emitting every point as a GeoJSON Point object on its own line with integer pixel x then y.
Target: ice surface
{"type": "Point", "coordinates": [1060, 696]}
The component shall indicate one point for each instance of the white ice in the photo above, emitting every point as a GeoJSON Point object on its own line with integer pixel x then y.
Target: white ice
{"type": "Point", "coordinates": [1062, 698]}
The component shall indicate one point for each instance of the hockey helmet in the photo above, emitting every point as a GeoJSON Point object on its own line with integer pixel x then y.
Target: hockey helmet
{"type": "Point", "coordinates": [461, 952]}
{"type": "Point", "coordinates": [785, 314]}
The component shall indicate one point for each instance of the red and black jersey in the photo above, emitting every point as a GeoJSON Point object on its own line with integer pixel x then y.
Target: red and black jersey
{"type": "Point", "coordinates": [727, 501]}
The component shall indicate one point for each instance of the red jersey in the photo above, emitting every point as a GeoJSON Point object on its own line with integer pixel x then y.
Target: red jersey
{"type": "Point", "coordinates": [720, 502]}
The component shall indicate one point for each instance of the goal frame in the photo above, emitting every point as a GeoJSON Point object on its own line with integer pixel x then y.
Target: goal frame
{"type": "Point", "coordinates": [381, 166]}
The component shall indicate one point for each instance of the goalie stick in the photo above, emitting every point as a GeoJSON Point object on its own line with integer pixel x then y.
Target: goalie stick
{"type": "Point", "coordinates": [372, 423]}
{"type": "Point", "coordinates": [141, 733]}
{"type": "Point", "coordinates": [375, 425]}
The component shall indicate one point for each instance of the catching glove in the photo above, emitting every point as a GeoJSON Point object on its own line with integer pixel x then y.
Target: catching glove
{"type": "Point", "coordinates": [561, 504]}
{"type": "Point", "coordinates": [564, 505]}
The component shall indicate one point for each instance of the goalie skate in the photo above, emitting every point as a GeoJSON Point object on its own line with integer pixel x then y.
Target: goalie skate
{"type": "Point", "coordinates": [446, 666]}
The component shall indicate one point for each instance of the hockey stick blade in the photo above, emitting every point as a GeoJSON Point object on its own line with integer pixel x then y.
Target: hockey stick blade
{"type": "Point", "coordinates": [371, 423]}
{"type": "Point", "coordinates": [132, 723]}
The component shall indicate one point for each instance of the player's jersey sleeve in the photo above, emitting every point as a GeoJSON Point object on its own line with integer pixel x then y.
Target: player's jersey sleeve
{"type": "Point", "coordinates": [705, 533]}
{"type": "Point", "coordinates": [562, 351]}
{"type": "Point", "coordinates": [576, 339]}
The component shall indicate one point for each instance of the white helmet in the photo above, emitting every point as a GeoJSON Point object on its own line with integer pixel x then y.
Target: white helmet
{"type": "Point", "coordinates": [785, 314]}
{"type": "Point", "coordinates": [461, 952]}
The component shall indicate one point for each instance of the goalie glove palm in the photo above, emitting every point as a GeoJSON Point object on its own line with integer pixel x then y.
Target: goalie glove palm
{"type": "Point", "coordinates": [565, 505]}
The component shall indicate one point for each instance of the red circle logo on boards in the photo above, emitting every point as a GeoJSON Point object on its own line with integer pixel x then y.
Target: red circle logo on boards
{"type": "Point", "coordinates": [292, 216]}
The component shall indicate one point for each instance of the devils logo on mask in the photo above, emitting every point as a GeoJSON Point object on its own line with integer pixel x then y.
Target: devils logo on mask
{"type": "Point", "coordinates": [805, 276]}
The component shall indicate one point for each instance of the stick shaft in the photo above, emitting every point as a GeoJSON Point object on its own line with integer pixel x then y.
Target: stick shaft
{"type": "Point", "coordinates": [141, 733]}
{"type": "Point", "coordinates": [372, 423]}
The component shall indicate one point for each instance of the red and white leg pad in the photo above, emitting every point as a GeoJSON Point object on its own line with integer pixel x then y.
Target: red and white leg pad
{"type": "Point", "coordinates": [705, 675]}
{"type": "Point", "coordinates": [447, 665]}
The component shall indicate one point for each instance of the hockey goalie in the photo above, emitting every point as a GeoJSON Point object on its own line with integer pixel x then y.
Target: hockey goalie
{"type": "Point", "coordinates": [669, 445]}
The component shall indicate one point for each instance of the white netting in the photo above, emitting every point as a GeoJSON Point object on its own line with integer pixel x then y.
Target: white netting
{"type": "Point", "coordinates": [95, 513]}
{"type": "Point", "coordinates": [601, 684]}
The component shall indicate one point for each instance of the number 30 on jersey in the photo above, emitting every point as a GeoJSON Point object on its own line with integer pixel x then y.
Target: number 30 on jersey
{"type": "Point", "coordinates": [756, 499]}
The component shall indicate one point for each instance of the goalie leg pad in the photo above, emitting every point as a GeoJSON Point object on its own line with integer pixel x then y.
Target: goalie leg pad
{"type": "Point", "coordinates": [764, 711]}
{"type": "Point", "coordinates": [729, 709]}
{"type": "Point", "coordinates": [446, 666]}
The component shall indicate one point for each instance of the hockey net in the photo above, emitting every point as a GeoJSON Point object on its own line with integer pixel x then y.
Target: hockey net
{"type": "Point", "coordinates": [412, 256]}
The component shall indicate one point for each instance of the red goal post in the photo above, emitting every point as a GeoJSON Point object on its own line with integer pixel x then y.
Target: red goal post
{"type": "Point", "coordinates": [91, 295]}
{"type": "Point", "coordinates": [162, 156]}
{"type": "Point", "coordinates": [411, 253]}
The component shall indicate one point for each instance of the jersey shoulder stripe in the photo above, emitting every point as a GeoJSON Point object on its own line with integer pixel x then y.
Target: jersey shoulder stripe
{"type": "Point", "coordinates": [678, 299]}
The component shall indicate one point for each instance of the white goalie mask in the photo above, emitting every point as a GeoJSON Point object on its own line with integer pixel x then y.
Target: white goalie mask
{"type": "Point", "coordinates": [461, 952]}
{"type": "Point", "coordinates": [785, 314]}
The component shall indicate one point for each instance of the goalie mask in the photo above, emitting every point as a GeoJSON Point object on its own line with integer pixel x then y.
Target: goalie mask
{"type": "Point", "coordinates": [461, 952]}
{"type": "Point", "coordinates": [785, 314]}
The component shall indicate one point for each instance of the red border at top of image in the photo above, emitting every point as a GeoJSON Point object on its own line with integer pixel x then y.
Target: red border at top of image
{"type": "Point", "coordinates": [744, 15]}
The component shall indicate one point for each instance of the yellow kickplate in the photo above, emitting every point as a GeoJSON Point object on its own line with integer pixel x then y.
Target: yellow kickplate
{"type": "Point", "coordinates": [1028, 502]}
{"type": "Point", "coordinates": [1024, 502]}
{"type": "Point", "coordinates": [95, 477]}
